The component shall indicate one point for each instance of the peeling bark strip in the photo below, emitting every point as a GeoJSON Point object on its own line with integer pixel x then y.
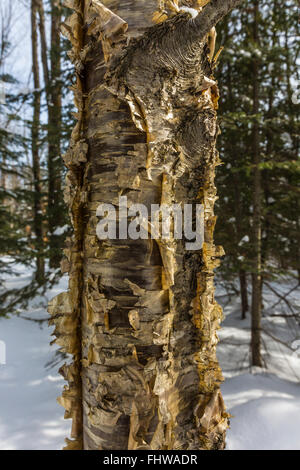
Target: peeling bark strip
{"type": "Point", "coordinates": [140, 317]}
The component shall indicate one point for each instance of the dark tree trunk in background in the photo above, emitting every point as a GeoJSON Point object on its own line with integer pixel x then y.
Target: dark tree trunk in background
{"type": "Point", "coordinates": [256, 237]}
{"type": "Point", "coordinates": [37, 195]}
{"type": "Point", "coordinates": [239, 232]}
{"type": "Point", "coordinates": [233, 149]}
{"type": "Point", "coordinates": [140, 317]}
{"type": "Point", "coordinates": [3, 173]}
{"type": "Point", "coordinates": [244, 293]}
{"type": "Point", "coordinates": [52, 79]}
{"type": "Point", "coordinates": [55, 166]}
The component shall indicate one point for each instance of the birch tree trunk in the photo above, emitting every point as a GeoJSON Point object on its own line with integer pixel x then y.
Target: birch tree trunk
{"type": "Point", "coordinates": [140, 316]}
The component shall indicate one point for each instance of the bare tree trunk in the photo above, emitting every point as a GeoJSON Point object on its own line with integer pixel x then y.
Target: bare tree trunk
{"type": "Point", "coordinates": [5, 28]}
{"type": "Point", "coordinates": [238, 209]}
{"type": "Point", "coordinates": [256, 274]}
{"type": "Point", "coordinates": [37, 205]}
{"type": "Point", "coordinates": [6, 17]}
{"type": "Point", "coordinates": [44, 49]}
{"type": "Point", "coordinates": [140, 316]}
{"type": "Point", "coordinates": [239, 232]}
{"type": "Point", "coordinates": [53, 93]}
{"type": "Point", "coordinates": [55, 165]}
{"type": "Point", "coordinates": [244, 293]}
{"type": "Point", "coordinates": [3, 173]}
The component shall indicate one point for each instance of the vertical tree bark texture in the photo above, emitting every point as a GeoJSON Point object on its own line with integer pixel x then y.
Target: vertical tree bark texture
{"type": "Point", "coordinates": [256, 275]}
{"type": "Point", "coordinates": [140, 316]}
{"type": "Point", "coordinates": [37, 206]}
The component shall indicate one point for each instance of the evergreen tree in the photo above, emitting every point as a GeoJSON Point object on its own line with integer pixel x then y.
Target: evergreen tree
{"type": "Point", "coordinates": [269, 60]}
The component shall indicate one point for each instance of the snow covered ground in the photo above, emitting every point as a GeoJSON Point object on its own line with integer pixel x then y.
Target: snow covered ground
{"type": "Point", "coordinates": [265, 404]}
{"type": "Point", "coordinates": [30, 418]}
{"type": "Point", "coordinates": [266, 413]}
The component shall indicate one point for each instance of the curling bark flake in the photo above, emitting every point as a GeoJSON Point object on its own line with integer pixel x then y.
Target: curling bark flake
{"type": "Point", "coordinates": [140, 316]}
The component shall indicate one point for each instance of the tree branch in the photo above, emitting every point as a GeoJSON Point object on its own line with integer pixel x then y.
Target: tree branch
{"type": "Point", "coordinates": [212, 14]}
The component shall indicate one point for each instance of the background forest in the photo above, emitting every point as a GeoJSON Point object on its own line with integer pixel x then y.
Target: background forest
{"type": "Point", "coordinates": [258, 218]}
